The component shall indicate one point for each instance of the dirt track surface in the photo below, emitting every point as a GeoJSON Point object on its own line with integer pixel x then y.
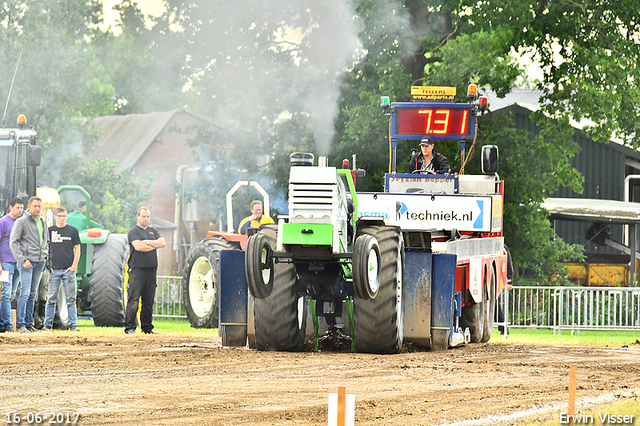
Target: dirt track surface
{"type": "Point", "coordinates": [175, 380]}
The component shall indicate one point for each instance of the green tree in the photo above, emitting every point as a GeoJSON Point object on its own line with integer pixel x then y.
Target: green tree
{"type": "Point", "coordinates": [143, 61]}
{"type": "Point", "coordinates": [57, 79]}
{"type": "Point", "coordinates": [589, 51]}
{"type": "Point", "coordinates": [536, 166]}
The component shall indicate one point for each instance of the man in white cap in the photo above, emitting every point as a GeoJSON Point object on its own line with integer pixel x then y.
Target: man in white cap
{"type": "Point", "coordinates": [429, 161]}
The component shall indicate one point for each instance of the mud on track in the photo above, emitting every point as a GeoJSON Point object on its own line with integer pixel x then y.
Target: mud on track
{"type": "Point", "coordinates": [175, 380]}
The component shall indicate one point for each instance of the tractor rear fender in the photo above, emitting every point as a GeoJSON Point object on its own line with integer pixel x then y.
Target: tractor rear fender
{"type": "Point", "coordinates": [94, 236]}
{"type": "Point", "coordinates": [368, 221]}
{"type": "Point", "coordinates": [232, 237]}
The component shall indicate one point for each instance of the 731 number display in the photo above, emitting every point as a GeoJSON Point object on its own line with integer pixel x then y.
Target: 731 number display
{"type": "Point", "coordinates": [436, 121]}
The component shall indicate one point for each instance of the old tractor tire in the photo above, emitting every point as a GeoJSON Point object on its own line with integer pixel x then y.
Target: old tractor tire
{"type": "Point", "coordinates": [490, 307]}
{"type": "Point", "coordinates": [107, 281]}
{"type": "Point", "coordinates": [201, 281]}
{"type": "Point", "coordinates": [280, 319]}
{"type": "Point", "coordinates": [379, 321]}
{"type": "Point", "coordinates": [366, 267]}
{"type": "Point", "coordinates": [259, 266]}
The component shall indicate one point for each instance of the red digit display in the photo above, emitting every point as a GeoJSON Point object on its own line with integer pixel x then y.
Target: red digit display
{"type": "Point", "coordinates": [432, 121]}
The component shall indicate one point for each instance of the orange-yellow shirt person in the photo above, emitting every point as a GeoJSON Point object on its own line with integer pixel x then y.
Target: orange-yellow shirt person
{"type": "Point", "coordinates": [256, 218]}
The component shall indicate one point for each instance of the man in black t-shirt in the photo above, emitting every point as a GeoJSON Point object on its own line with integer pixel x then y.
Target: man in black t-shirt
{"type": "Point", "coordinates": [64, 253]}
{"type": "Point", "coordinates": [143, 264]}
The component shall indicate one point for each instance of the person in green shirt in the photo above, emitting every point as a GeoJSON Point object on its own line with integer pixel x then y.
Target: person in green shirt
{"type": "Point", "coordinates": [78, 220]}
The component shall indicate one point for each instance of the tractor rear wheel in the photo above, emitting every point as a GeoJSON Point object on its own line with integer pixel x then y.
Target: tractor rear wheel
{"type": "Point", "coordinates": [106, 291]}
{"type": "Point", "coordinates": [379, 320]}
{"type": "Point", "coordinates": [473, 318]}
{"type": "Point", "coordinates": [490, 307]}
{"type": "Point", "coordinates": [201, 281]}
{"type": "Point", "coordinates": [280, 319]}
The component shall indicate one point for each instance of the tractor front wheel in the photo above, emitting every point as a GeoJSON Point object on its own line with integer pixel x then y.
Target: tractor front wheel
{"type": "Point", "coordinates": [366, 267]}
{"type": "Point", "coordinates": [259, 266]}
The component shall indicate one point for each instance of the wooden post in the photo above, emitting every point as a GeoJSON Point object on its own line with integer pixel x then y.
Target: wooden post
{"type": "Point", "coordinates": [572, 392]}
{"type": "Point", "coordinates": [341, 411]}
{"type": "Point", "coordinates": [341, 408]}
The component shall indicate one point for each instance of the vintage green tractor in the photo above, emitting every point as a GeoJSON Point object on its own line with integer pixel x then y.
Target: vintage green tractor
{"type": "Point", "coordinates": [101, 269]}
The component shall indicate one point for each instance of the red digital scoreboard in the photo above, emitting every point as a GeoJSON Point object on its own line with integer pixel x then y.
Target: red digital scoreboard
{"type": "Point", "coordinates": [440, 120]}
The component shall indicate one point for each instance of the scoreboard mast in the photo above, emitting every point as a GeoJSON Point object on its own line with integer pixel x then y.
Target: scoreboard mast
{"type": "Point", "coordinates": [433, 113]}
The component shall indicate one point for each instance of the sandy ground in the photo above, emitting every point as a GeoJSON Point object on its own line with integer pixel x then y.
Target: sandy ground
{"type": "Point", "coordinates": [176, 380]}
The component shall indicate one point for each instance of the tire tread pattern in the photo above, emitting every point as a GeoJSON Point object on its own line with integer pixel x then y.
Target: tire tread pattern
{"type": "Point", "coordinates": [276, 316]}
{"type": "Point", "coordinates": [106, 291]}
{"type": "Point", "coordinates": [376, 320]}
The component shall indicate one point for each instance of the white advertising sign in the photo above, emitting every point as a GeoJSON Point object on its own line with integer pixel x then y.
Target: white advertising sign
{"type": "Point", "coordinates": [417, 211]}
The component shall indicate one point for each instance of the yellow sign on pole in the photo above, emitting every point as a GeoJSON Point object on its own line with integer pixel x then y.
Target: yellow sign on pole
{"type": "Point", "coordinates": [433, 93]}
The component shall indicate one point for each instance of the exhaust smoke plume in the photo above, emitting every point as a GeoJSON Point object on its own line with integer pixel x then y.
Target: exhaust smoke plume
{"type": "Point", "coordinates": [285, 55]}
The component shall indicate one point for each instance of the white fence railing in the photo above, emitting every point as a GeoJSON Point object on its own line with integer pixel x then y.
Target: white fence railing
{"type": "Point", "coordinates": [169, 298]}
{"type": "Point", "coordinates": [572, 308]}
{"type": "Point", "coordinates": [557, 308]}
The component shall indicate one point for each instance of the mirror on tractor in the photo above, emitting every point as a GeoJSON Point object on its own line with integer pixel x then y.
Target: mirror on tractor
{"type": "Point", "coordinates": [489, 159]}
{"type": "Point", "coordinates": [34, 155]}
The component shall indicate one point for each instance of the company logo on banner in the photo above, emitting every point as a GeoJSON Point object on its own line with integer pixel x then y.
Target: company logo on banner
{"type": "Point", "coordinates": [435, 212]}
{"type": "Point", "coordinates": [401, 208]}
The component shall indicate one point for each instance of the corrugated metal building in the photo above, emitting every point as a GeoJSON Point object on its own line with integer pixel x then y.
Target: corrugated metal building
{"type": "Point", "coordinates": [603, 165]}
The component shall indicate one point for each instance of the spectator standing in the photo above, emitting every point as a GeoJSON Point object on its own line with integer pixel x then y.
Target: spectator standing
{"type": "Point", "coordinates": [29, 243]}
{"type": "Point", "coordinates": [143, 265]}
{"type": "Point", "coordinates": [64, 254]}
{"type": "Point", "coordinates": [8, 262]}
{"type": "Point", "coordinates": [256, 218]}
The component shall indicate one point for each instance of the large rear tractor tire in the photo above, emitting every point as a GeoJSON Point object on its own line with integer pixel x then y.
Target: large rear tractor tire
{"type": "Point", "coordinates": [107, 281]}
{"type": "Point", "coordinates": [280, 319]}
{"type": "Point", "coordinates": [201, 281]}
{"type": "Point", "coordinates": [490, 307]}
{"type": "Point", "coordinates": [379, 275]}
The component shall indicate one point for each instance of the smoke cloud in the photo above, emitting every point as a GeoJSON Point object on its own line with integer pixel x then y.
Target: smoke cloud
{"type": "Point", "coordinates": [287, 56]}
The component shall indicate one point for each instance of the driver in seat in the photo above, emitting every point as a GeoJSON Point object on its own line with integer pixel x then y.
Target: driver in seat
{"type": "Point", "coordinates": [428, 161]}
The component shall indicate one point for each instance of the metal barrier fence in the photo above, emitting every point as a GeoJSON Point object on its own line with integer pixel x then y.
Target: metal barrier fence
{"type": "Point", "coordinates": [557, 308]}
{"type": "Point", "coordinates": [169, 298]}
{"type": "Point", "coordinates": [572, 308]}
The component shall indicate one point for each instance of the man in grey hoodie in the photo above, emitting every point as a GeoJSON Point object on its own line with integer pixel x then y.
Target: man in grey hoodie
{"type": "Point", "coordinates": [29, 242]}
